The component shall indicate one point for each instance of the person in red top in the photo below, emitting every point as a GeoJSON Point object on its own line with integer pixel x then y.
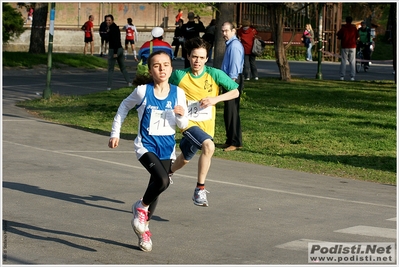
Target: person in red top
{"type": "Point", "coordinates": [89, 35]}
{"type": "Point", "coordinates": [247, 34]}
{"type": "Point", "coordinates": [348, 35]}
{"type": "Point", "coordinates": [179, 16]}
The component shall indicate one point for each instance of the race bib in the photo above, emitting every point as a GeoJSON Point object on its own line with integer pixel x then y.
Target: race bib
{"type": "Point", "coordinates": [196, 113]}
{"type": "Point", "coordinates": [162, 122]}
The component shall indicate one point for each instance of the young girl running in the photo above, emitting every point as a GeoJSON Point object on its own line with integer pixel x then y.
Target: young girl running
{"type": "Point", "coordinates": [160, 107]}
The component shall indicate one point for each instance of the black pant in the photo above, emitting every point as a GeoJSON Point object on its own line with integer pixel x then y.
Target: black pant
{"type": "Point", "coordinates": [366, 51]}
{"type": "Point", "coordinates": [159, 179]}
{"type": "Point", "coordinates": [250, 66]}
{"type": "Point", "coordinates": [177, 46]}
{"type": "Point", "coordinates": [184, 55]}
{"type": "Point", "coordinates": [231, 115]}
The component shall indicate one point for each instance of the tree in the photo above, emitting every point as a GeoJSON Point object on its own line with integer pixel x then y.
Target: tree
{"type": "Point", "coordinates": [38, 34]}
{"type": "Point", "coordinates": [223, 14]}
{"type": "Point", "coordinates": [277, 26]}
{"type": "Point", "coordinates": [13, 23]}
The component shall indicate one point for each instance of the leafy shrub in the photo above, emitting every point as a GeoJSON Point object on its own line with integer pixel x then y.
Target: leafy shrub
{"type": "Point", "coordinates": [13, 23]}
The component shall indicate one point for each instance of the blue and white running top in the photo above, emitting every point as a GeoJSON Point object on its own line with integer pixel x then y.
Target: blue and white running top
{"type": "Point", "coordinates": [157, 121]}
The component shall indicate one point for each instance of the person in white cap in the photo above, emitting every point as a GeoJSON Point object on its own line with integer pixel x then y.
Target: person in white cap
{"type": "Point", "coordinates": [154, 45]}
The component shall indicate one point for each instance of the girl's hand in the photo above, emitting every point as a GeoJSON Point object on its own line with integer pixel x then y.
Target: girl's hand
{"type": "Point", "coordinates": [113, 142]}
{"type": "Point", "coordinates": [179, 110]}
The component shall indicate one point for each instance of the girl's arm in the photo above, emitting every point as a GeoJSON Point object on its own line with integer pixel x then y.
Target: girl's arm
{"type": "Point", "coordinates": [181, 109]}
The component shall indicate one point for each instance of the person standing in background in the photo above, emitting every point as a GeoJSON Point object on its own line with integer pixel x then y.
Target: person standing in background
{"type": "Point", "coordinates": [146, 50]}
{"type": "Point", "coordinates": [30, 16]}
{"type": "Point", "coordinates": [348, 35]}
{"type": "Point", "coordinates": [89, 35]}
{"type": "Point", "coordinates": [247, 34]}
{"type": "Point", "coordinates": [104, 37]}
{"type": "Point", "coordinates": [178, 39]}
{"type": "Point", "coordinates": [115, 52]}
{"type": "Point", "coordinates": [157, 43]}
{"type": "Point", "coordinates": [232, 65]}
{"type": "Point", "coordinates": [364, 42]}
{"type": "Point", "coordinates": [131, 38]}
{"type": "Point", "coordinates": [209, 36]}
{"type": "Point", "coordinates": [178, 16]}
{"type": "Point", "coordinates": [190, 30]}
{"type": "Point", "coordinates": [308, 39]}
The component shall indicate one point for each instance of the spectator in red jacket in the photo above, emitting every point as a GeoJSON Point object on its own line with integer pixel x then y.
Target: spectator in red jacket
{"type": "Point", "coordinates": [247, 34]}
{"type": "Point", "coordinates": [348, 35]}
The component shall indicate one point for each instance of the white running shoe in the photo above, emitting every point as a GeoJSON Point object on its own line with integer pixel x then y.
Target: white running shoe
{"type": "Point", "coordinates": [199, 197]}
{"type": "Point", "coordinates": [145, 242]}
{"type": "Point", "coordinates": [140, 217]}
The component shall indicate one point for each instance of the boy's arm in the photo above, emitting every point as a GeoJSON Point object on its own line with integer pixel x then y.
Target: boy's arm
{"type": "Point", "coordinates": [211, 101]}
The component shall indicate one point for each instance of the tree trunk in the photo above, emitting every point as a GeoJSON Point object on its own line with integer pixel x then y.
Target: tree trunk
{"type": "Point", "coordinates": [224, 13]}
{"type": "Point", "coordinates": [277, 27]}
{"type": "Point", "coordinates": [38, 32]}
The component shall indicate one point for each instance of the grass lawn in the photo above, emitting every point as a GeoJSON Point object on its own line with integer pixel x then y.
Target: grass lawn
{"type": "Point", "coordinates": [335, 128]}
{"type": "Point", "coordinates": [28, 60]}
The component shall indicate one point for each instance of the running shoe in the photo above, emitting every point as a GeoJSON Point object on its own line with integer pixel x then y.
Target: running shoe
{"type": "Point", "coordinates": [140, 217]}
{"type": "Point", "coordinates": [145, 242]}
{"type": "Point", "coordinates": [199, 197]}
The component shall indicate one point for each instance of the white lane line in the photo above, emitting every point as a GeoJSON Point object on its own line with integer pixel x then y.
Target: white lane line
{"type": "Point", "coordinates": [215, 181]}
{"type": "Point", "coordinates": [369, 231]}
{"type": "Point", "coordinates": [299, 245]}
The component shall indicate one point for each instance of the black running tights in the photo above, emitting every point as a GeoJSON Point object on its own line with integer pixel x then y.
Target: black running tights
{"type": "Point", "coordinates": [159, 179]}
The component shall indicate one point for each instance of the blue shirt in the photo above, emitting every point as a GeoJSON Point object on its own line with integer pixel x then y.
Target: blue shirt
{"type": "Point", "coordinates": [143, 99]}
{"type": "Point", "coordinates": [233, 60]}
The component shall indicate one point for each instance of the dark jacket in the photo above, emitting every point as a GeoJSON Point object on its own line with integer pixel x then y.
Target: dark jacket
{"type": "Point", "coordinates": [191, 29]}
{"type": "Point", "coordinates": [176, 37]}
{"type": "Point", "coordinates": [114, 35]}
{"type": "Point", "coordinates": [103, 30]}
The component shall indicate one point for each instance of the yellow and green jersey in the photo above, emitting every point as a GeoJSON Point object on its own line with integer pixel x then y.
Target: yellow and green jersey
{"type": "Point", "coordinates": [207, 84]}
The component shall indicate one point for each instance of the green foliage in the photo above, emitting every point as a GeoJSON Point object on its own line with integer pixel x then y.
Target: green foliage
{"type": "Point", "coordinates": [382, 50]}
{"type": "Point", "coordinates": [200, 9]}
{"type": "Point", "coordinates": [13, 23]}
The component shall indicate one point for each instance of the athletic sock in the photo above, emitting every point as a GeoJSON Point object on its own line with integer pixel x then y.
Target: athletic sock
{"type": "Point", "coordinates": [141, 206]}
{"type": "Point", "coordinates": [201, 186]}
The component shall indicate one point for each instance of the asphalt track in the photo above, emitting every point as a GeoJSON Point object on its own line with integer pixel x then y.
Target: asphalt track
{"type": "Point", "coordinates": [67, 197]}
